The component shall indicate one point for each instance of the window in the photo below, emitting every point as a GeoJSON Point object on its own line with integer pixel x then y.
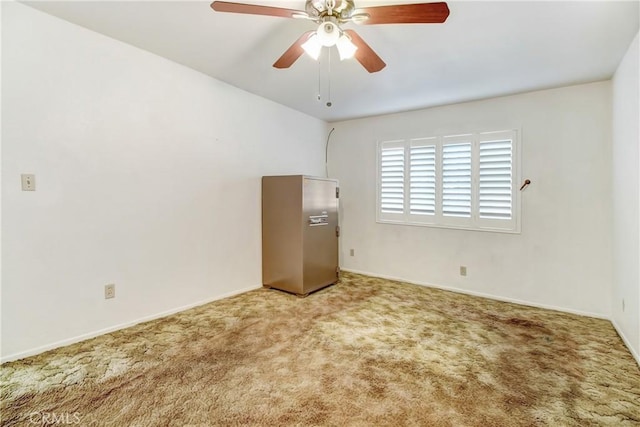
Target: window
{"type": "Point", "coordinates": [458, 181]}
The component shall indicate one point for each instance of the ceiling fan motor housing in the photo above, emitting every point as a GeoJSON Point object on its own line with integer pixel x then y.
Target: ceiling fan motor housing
{"type": "Point", "coordinates": [341, 9]}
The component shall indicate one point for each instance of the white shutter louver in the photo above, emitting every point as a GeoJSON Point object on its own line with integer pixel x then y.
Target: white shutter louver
{"type": "Point", "coordinates": [392, 180]}
{"type": "Point", "coordinates": [495, 179]}
{"type": "Point", "coordinates": [456, 179]}
{"type": "Point", "coordinates": [422, 179]}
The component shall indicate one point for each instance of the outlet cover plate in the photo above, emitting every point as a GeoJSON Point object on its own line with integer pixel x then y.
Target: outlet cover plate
{"type": "Point", "coordinates": [109, 291]}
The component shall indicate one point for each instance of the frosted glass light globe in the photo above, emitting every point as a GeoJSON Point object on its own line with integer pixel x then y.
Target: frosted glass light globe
{"type": "Point", "coordinates": [328, 33]}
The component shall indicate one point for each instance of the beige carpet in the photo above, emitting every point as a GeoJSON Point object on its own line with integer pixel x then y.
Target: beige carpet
{"type": "Point", "coordinates": [365, 352]}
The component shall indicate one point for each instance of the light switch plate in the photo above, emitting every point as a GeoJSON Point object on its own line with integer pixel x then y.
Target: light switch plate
{"type": "Point", "coordinates": [28, 182]}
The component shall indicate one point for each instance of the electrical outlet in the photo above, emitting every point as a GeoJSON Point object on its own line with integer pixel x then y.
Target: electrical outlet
{"type": "Point", "coordinates": [463, 270]}
{"type": "Point", "coordinates": [109, 291]}
{"type": "Point", "coordinates": [352, 252]}
{"type": "Point", "coordinates": [28, 182]}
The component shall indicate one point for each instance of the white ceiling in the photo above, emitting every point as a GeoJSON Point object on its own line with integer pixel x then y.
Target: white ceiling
{"type": "Point", "coordinates": [484, 49]}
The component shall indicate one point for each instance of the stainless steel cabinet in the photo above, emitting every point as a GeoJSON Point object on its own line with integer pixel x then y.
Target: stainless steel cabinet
{"type": "Point", "coordinates": [299, 233]}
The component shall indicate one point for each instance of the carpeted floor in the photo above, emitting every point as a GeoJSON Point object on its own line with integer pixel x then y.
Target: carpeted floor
{"type": "Point", "coordinates": [365, 352]}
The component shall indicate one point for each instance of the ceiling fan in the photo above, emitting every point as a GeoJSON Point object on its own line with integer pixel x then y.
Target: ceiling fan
{"type": "Point", "coordinates": [330, 14]}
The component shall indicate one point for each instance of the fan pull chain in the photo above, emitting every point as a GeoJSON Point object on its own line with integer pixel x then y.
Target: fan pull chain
{"type": "Point", "coordinates": [329, 103]}
{"type": "Point", "coordinates": [319, 75]}
{"type": "Point", "coordinates": [329, 82]}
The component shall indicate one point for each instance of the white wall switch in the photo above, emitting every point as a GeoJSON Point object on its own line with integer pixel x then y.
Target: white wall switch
{"type": "Point", "coordinates": [28, 182]}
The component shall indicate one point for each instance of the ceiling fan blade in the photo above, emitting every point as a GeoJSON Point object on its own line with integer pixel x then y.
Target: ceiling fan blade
{"type": "Point", "coordinates": [365, 55]}
{"type": "Point", "coordinates": [420, 13]}
{"type": "Point", "coordinates": [294, 52]}
{"type": "Point", "coordinates": [253, 9]}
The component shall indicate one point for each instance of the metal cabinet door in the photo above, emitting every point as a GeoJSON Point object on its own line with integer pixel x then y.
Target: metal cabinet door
{"type": "Point", "coordinates": [320, 237]}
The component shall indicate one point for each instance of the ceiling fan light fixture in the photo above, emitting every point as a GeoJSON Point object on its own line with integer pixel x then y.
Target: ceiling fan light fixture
{"type": "Point", "coordinates": [328, 33]}
{"type": "Point", "coordinates": [312, 46]}
{"type": "Point", "coordinates": [346, 48]}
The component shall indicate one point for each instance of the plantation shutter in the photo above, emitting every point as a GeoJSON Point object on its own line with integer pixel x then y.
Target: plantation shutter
{"type": "Point", "coordinates": [391, 178]}
{"type": "Point", "coordinates": [456, 179]}
{"type": "Point", "coordinates": [422, 177]}
{"type": "Point", "coordinates": [465, 181]}
{"type": "Point", "coordinates": [495, 179]}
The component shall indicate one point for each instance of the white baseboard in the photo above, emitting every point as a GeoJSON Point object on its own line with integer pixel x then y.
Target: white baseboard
{"type": "Point", "coordinates": [626, 341]}
{"type": "Point", "coordinates": [483, 295]}
{"type": "Point", "coordinates": [89, 335]}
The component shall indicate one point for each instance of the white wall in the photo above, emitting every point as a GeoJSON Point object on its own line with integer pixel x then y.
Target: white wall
{"type": "Point", "coordinates": [561, 259]}
{"type": "Point", "coordinates": [148, 176]}
{"type": "Point", "coordinates": [626, 198]}
{"type": "Point", "coordinates": [1, 183]}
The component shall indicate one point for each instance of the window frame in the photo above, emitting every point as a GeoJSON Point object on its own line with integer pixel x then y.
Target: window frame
{"type": "Point", "coordinates": [438, 220]}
